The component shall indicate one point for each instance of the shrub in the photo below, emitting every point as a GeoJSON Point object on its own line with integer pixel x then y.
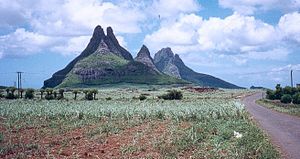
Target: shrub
{"type": "Point", "coordinates": [142, 97]}
{"type": "Point", "coordinates": [94, 92]}
{"type": "Point", "coordinates": [270, 94]}
{"type": "Point", "coordinates": [108, 98]}
{"type": "Point", "coordinates": [75, 92]}
{"type": "Point", "coordinates": [296, 98]}
{"type": "Point", "coordinates": [61, 93]}
{"type": "Point", "coordinates": [286, 98]}
{"type": "Point", "coordinates": [29, 94]}
{"type": "Point", "coordinates": [278, 92]}
{"type": "Point", "coordinates": [21, 92]}
{"type": "Point", "coordinates": [172, 95]}
{"type": "Point", "coordinates": [10, 93]}
{"type": "Point", "coordinates": [1, 93]}
{"type": "Point", "coordinates": [42, 92]}
{"type": "Point", "coordinates": [49, 97]}
{"type": "Point", "coordinates": [89, 95]}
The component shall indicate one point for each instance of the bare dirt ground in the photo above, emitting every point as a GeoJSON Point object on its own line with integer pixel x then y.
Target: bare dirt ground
{"type": "Point", "coordinates": [283, 129]}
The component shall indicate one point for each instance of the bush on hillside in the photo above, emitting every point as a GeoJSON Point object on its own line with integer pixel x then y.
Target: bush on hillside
{"type": "Point", "coordinates": [286, 98]}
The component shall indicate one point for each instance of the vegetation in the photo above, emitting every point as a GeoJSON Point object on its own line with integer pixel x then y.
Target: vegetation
{"type": "Point", "coordinates": [296, 98]}
{"type": "Point", "coordinates": [172, 95]}
{"type": "Point", "coordinates": [10, 93]}
{"type": "Point", "coordinates": [292, 109]}
{"type": "Point", "coordinates": [142, 97]}
{"type": "Point", "coordinates": [197, 126]}
{"type": "Point", "coordinates": [286, 98]}
{"type": "Point", "coordinates": [29, 94]}
{"type": "Point", "coordinates": [285, 95]}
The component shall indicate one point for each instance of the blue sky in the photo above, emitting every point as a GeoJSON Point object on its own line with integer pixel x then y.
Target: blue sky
{"type": "Point", "coordinates": [244, 42]}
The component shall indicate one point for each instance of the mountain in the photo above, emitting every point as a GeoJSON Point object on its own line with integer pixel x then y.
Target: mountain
{"type": "Point", "coordinates": [104, 61]}
{"type": "Point", "coordinates": [171, 64]}
{"type": "Point", "coordinates": [144, 57]}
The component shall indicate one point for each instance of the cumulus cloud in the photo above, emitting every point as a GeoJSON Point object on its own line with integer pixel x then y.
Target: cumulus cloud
{"type": "Point", "coordinates": [289, 26]}
{"type": "Point", "coordinates": [22, 42]}
{"type": "Point", "coordinates": [178, 35]}
{"type": "Point", "coordinates": [167, 9]}
{"type": "Point", "coordinates": [237, 36]}
{"type": "Point", "coordinates": [61, 26]}
{"type": "Point", "coordinates": [252, 6]}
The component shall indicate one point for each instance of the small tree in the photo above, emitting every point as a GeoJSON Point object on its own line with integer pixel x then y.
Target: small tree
{"type": "Point", "coordinates": [85, 93]}
{"type": "Point", "coordinates": [288, 90]}
{"type": "Point", "coordinates": [94, 92]}
{"type": "Point", "coordinates": [10, 93]}
{"type": "Point", "coordinates": [49, 94]}
{"type": "Point", "coordinates": [61, 93]}
{"type": "Point", "coordinates": [55, 94]}
{"type": "Point", "coordinates": [29, 94]}
{"type": "Point", "coordinates": [296, 98]}
{"type": "Point", "coordinates": [278, 92]}
{"type": "Point", "coordinates": [89, 95]}
{"type": "Point", "coordinates": [1, 93]}
{"type": "Point", "coordinates": [286, 98]}
{"type": "Point", "coordinates": [270, 94]}
{"type": "Point", "coordinates": [42, 93]}
{"type": "Point", "coordinates": [75, 92]}
{"type": "Point", "coordinates": [21, 92]}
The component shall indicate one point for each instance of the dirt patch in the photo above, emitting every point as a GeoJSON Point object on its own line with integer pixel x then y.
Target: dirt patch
{"type": "Point", "coordinates": [42, 142]}
{"type": "Point", "coordinates": [200, 89]}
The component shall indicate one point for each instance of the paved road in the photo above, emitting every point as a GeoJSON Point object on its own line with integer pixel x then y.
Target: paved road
{"type": "Point", "coordinates": [283, 129]}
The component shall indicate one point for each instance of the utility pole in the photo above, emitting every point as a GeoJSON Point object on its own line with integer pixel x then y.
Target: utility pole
{"type": "Point", "coordinates": [292, 78]}
{"type": "Point", "coordinates": [19, 81]}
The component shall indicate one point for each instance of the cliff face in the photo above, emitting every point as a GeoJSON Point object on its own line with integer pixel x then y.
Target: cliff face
{"type": "Point", "coordinates": [171, 64]}
{"type": "Point", "coordinates": [144, 57]}
{"type": "Point", "coordinates": [164, 61]}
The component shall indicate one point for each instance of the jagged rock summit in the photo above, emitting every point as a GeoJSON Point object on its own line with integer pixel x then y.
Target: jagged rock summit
{"type": "Point", "coordinates": [164, 61]}
{"type": "Point", "coordinates": [104, 61]}
{"type": "Point", "coordinates": [144, 57]}
{"type": "Point", "coordinates": [171, 64]}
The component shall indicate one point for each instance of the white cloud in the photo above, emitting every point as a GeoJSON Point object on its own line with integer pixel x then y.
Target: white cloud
{"type": "Point", "coordinates": [12, 14]}
{"type": "Point", "coordinates": [74, 45]}
{"type": "Point", "coordinates": [289, 26]}
{"type": "Point", "coordinates": [235, 34]}
{"type": "Point", "coordinates": [167, 9]}
{"type": "Point", "coordinates": [179, 35]}
{"type": "Point", "coordinates": [252, 6]}
{"type": "Point", "coordinates": [22, 42]}
{"type": "Point", "coordinates": [79, 17]}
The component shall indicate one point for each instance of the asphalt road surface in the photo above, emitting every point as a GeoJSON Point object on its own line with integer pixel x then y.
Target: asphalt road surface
{"type": "Point", "coordinates": [283, 129]}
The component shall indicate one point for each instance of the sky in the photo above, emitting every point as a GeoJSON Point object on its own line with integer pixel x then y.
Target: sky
{"type": "Point", "coordinates": [245, 42]}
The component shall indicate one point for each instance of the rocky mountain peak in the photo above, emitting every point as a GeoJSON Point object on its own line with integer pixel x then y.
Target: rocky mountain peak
{"type": "Point", "coordinates": [144, 57]}
{"type": "Point", "coordinates": [98, 33]}
{"type": "Point", "coordinates": [164, 61]}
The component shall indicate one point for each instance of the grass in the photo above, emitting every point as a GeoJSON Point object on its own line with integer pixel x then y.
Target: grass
{"type": "Point", "coordinates": [200, 125]}
{"type": "Point", "coordinates": [292, 109]}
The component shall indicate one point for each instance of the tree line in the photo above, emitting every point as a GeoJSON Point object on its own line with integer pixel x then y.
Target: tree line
{"type": "Point", "coordinates": [47, 94]}
{"type": "Point", "coordinates": [285, 95]}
